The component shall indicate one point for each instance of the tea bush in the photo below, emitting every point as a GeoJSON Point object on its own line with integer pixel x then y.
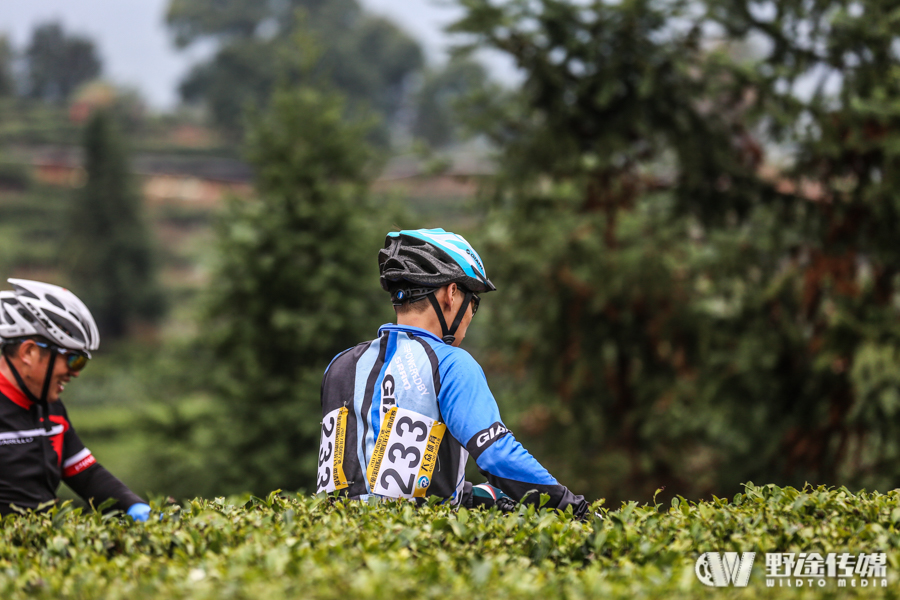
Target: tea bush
{"type": "Point", "coordinates": [316, 547]}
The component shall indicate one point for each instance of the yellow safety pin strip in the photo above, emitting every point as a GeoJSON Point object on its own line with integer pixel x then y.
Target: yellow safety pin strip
{"type": "Point", "coordinates": [340, 439]}
{"type": "Point", "coordinates": [380, 446]}
{"type": "Point", "coordinates": [429, 460]}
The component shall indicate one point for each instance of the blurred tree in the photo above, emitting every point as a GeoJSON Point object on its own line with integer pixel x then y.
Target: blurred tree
{"type": "Point", "coordinates": [367, 58]}
{"type": "Point", "coordinates": [232, 81]}
{"type": "Point", "coordinates": [681, 312]}
{"type": "Point", "coordinates": [108, 251]}
{"type": "Point", "coordinates": [296, 283]}
{"type": "Point", "coordinates": [827, 87]}
{"type": "Point", "coordinates": [438, 99]}
{"type": "Point", "coordinates": [7, 79]}
{"type": "Point", "coordinates": [58, 63]}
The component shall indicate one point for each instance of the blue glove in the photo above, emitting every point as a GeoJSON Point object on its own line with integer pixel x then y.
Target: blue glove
{"type": "Point", "coordinates": [139, 511]}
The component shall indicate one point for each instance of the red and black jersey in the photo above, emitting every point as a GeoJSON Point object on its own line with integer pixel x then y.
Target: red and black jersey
{"type": "Point", "coordinates": [38, 450]}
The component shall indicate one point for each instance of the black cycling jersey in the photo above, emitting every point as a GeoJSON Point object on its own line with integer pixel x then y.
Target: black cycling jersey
{"type": "Point", "coordinates": [37, 450]}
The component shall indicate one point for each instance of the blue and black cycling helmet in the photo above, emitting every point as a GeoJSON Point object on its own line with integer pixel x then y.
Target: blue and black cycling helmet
{"type": "Point", "coordinates": [416, 262]}
{"type": "Point", "coordinates": [431, 258]}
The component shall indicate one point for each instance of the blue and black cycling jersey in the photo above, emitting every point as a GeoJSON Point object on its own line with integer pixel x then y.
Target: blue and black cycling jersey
{"type": "Point", "coordinates": [413, 369]}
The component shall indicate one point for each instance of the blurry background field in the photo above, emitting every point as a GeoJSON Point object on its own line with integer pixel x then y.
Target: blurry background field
{"type": "Point", "coordinates": [690, 210]}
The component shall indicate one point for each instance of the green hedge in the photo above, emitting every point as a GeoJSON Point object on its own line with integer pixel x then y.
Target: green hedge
{"type": "Point", "coordinates": [306, 547]}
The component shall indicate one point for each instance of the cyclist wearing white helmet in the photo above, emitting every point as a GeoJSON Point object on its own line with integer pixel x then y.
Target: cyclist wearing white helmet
{"type": "Point", "coordinates": [47, 335]}
{"type": "Point", "coordinates": [402, 413]}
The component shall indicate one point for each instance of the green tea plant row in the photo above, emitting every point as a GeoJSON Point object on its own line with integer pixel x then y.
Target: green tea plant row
{"type": "Point", "coordinates": [318, 547]}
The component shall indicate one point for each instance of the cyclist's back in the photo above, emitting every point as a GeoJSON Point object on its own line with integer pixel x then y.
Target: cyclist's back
{"type": "Point", "coordinates": [403, 412]}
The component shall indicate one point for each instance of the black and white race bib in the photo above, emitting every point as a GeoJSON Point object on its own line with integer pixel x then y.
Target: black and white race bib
{"type": "Point", "coordinates": [331, 452]}
{"type": "Point", "coordinates": [405, 454]}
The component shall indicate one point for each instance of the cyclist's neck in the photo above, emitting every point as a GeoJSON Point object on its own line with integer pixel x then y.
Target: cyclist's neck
{"type": "Point", "coordinates": [450, 301]}
{"type": "Point", "coordinates": [421, 321]}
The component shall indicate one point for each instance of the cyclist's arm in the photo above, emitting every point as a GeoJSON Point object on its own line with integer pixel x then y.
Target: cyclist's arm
{"type": "Point", "coordinates": [97, 484]}
{"type": "Point", "coordinates": [473, 418]}
{"type": "Point", "coordinates": [89, 479]}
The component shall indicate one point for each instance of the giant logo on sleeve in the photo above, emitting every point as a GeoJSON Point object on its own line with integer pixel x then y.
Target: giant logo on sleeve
{"type": "Point", "coordinates": [484, 438]}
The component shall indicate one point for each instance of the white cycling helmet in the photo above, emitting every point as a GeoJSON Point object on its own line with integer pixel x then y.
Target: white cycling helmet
{"type": "Point", "coordinates": [35, 308]}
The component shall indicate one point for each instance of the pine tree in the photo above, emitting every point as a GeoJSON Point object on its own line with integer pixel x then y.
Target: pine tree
{"type": "Point", "coordinates": [296, 283]}
{"type": "Point", "coordinates": [108, 250]}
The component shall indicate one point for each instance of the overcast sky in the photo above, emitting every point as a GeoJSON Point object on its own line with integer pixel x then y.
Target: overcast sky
{"type": "Point", "coordinates": [136, 49]}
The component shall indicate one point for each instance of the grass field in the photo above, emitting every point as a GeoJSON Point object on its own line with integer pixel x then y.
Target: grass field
{"type": "Point", "coordinates": [307, 547]}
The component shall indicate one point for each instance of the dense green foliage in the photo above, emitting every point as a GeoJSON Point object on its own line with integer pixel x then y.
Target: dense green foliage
{"type": "Point", "coordinates": [296, 282]}
{"type": "Point", "coordinates": [680, 304]}
{"type": "Point", "coordinates": [304, 547]}
{"type": "Point", "coordinates": [369, 59]}
{"type": "Point", "coordinates": [108, 248]}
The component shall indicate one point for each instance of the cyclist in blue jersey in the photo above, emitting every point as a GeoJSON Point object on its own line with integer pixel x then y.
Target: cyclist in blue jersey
{"type": "Point", "coordinates": [402, 413]}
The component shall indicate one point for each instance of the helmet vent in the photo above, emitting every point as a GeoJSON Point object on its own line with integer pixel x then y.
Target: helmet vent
{"type": "Point", "coordinates": [54, 301]}
{"type": "Point", "coordinates": [26, 315]}
{"type": "Point", "coordinates": [67, 326]}
{"type": "Point", "coordinates": [4, 315]}
{"type": "Point", "coordinates": [27, 293]}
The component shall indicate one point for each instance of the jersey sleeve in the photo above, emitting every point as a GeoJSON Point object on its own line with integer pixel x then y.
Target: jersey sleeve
{"type": "Point", "coordinates": [75, 457]}
{"type": "Point", "coordinates": [472, 416]}
{"type": "Point", "coordinates": [87, 478]}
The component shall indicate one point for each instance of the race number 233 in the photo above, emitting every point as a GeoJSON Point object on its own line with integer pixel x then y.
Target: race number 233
{"type": "Point", "coordinates": [331, 452]}
{"type": "Point", "coordinates": [405, 454]}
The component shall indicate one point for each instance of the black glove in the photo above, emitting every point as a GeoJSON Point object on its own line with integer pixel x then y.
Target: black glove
{"type": "Point", "coordinates": [506, 504]}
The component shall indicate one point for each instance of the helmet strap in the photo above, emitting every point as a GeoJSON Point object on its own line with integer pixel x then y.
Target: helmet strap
{"type": "Point", "coordinates": [42, 401]}
{"type": "Point", "coordinates": [448, 334]}
{"type": "Point", "coordinates": [48, 375]}
{"type": "Point", "coordinates": [20, 381]}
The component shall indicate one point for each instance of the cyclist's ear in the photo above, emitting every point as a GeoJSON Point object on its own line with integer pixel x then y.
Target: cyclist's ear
{"type": "Point", "coordinates": [445, 296]}
{"type": "Point", "coordinates": [28, 352]}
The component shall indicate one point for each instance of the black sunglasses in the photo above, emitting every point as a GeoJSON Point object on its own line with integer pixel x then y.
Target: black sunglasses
{"type": "Point", "coordinates": [475, 302]}
{"type": "Point", "coordinates": [75, 360]}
